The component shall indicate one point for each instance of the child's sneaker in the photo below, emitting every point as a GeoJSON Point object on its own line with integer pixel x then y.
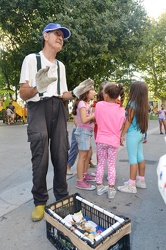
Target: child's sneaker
{"type": "Point", "coordinates": [84, 185]}
{"type": "Point", "coordinates": [111, 193]}
{"type": "Point", "coordinates": [93, 174]}
{"type": "Point", "coordinates": [89, 177]}
{"type": "Point", "coordinates": [69, 172]}
{"type": "Point", "coordinates": [126, 182]}
{"type": "Point", "coordinates": [128, 188]}
{"type": "Point", "coordinates": [140, 184]}
{"type": "Point", "coordinates": [101, 189]}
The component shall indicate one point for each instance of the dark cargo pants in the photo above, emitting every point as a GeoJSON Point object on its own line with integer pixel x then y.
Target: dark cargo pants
{"type": "Point", "coordinates": [47, 127]}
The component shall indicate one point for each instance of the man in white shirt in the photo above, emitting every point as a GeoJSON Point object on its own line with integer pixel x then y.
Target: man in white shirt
{"type": "Point", "coordinates": [44, 91]}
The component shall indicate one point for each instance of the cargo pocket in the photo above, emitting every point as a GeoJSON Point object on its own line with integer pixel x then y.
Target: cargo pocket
{"type": "Point", "coordinates": [34, 137]}
{"type": "Point", "coordinates": [36, 143]}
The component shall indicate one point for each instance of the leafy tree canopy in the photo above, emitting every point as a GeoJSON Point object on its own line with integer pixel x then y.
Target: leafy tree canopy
{"type": "Point", "coordinates": [106, 35]}
{"type": "Point", "coordinates": [152, 57]}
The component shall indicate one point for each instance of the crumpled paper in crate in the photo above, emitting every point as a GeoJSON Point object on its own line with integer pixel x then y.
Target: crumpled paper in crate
{"type": "Point", "coordinates": [77, 219]}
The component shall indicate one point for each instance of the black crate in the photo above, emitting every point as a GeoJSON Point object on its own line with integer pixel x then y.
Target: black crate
{"type": "Point", "coordinates": [64, 238]}
{"type": "Point", "coordinates": [122, 244]}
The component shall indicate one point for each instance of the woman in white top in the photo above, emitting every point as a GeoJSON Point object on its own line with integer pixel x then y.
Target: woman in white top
{"type": "Point", "coordinates": [161, 118]}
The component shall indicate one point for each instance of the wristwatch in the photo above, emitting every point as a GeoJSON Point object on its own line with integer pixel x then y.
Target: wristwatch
{"type": "Point", "coordinates": [73, 95]}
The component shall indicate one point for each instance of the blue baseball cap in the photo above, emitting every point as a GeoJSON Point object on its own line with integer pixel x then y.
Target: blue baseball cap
{"type": "Point", "coordinates": [56, 26]}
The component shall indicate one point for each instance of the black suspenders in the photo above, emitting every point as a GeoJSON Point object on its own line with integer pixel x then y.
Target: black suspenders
{"type": "Point", "coordinates": [38, 61]}
{"type": "Point", "coordinates": [58, 81]}
{"type": "Point", "coordinates": [58, 72]}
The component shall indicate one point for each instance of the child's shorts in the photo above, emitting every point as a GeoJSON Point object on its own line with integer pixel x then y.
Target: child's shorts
{"type": "Point", "coordinates": [83, 138]}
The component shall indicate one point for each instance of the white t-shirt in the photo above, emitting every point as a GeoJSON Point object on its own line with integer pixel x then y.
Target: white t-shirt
{"type": "Point", "coordinates": [29, 70]}
{"type": "Point", "coordinates": [9, 112]}
{"type": "Point", "coordinates": [161, 114]}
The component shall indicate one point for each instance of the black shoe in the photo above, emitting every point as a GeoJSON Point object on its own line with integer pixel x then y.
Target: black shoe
{"type": "Point", "coordinates": [161, 133]}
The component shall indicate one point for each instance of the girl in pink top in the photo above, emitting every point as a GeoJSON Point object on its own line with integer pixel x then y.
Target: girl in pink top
{"type": "Point", "coordinates": [110, 118]}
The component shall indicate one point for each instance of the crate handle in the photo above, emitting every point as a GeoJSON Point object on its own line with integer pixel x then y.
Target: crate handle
{"type": "Point", "coordinates": [117, 218]}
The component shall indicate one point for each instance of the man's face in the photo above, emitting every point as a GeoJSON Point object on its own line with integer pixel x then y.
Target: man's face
{"type": "Point", "coordinates": [54, 39]}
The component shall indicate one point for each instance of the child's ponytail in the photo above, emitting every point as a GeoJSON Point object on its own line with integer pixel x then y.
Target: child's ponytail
{"type": "Point", "coordinates": [121, 94]}
{"type": "Point", "coordinates": [75, 104]}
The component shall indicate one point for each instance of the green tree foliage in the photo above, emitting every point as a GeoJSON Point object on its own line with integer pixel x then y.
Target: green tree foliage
{"type": "Point", "coordinates": [106, 35]}
{"type": "Point", "coordinates": [152, 59]}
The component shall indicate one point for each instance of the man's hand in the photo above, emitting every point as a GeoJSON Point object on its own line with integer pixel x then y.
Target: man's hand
{"type": "Point", "coordinates": [42, 80]}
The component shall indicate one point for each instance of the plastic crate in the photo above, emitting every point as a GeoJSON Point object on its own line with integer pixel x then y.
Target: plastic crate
{"type": "Point", "coordinates": [116, 235]}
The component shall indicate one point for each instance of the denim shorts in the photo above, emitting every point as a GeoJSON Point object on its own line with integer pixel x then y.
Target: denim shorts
{"type": "Point", "coordinates": [161, 119]}
{"type": "Point", "coordinates": [83, 138]}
